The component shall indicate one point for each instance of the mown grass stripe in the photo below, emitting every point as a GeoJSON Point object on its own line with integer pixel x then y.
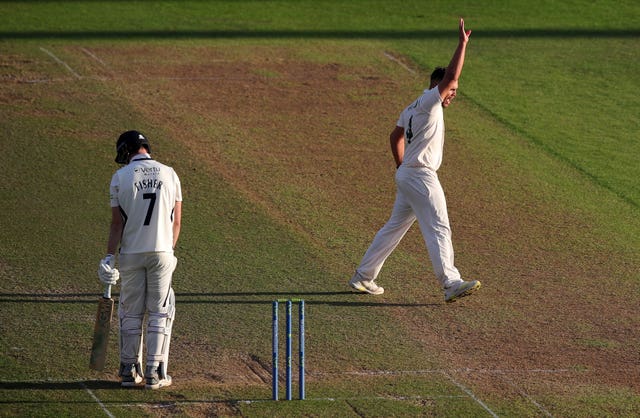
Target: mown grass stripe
{"type": "Point", "coordinates": [598, 181]}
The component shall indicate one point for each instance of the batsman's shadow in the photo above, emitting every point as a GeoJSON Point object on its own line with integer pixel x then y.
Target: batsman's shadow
{"type": "Point", "coordinates": [331, 298]}
{"type": "Point", "coordinates": [60, 385]}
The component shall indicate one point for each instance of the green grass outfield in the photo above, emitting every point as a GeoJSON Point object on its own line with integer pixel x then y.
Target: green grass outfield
{"type": "Point", "coordinates": [541, 169]}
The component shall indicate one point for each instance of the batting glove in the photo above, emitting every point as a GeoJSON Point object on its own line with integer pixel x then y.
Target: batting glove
{"type": "Point", "coordinates": [107, 272]}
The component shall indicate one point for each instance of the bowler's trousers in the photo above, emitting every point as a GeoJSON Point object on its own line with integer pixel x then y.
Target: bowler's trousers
{"type": "Point", "coordinates": [419, 196]}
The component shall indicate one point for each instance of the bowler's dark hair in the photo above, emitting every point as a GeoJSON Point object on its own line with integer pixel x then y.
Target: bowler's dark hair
{"type": "Point", "coordinates": [438, 74]}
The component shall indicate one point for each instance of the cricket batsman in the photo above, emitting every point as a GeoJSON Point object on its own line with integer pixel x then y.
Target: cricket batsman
{"type": "Point", "coordinates": [146, 212]}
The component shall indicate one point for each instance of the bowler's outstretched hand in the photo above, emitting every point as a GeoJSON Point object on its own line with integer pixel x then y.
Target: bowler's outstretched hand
{"type": "Point", "coordinates": [464, 34]}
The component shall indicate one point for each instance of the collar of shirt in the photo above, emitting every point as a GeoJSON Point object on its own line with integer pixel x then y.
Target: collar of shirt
{"type": "Point", "coordinates": [144, 156]}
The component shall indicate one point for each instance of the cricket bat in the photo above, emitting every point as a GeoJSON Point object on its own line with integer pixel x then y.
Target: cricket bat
{"type": "Point", "coordinates": [101, 331]}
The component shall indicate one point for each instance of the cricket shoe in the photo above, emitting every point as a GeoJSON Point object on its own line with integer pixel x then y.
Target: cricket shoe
{"type": "Point", "coordinates": [460, 290]}
{"type": "Point", "coordinates": [365, 286]}
{"type": "Point", "coordinates": [155, 381]}
{"type": "Point", "coordinates": [130, 375]}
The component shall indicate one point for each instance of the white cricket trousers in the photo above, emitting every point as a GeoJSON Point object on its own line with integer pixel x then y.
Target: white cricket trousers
{"type": "Point", "coordinates": [146, 288]}
{"type": "Point", "coordinates": [419, 196]}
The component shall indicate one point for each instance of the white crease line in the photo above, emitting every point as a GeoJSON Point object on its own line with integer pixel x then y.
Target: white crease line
{"type": "Point", "coordinates": [327, 399]}
{"type": "Point", "coordinates": [143, 78]}
{"type": "Point", "coordinates": [526, 396]}
{"type": "Point", "coordinates": [375, 372]}
{"type": "Point", "coordinates": [397, 61]}
{"type": "Point", "coordinates": [59, 61]}
{"type": "Point", "coordinates": [427, 371]}
{"type": "Point", "coordinates": [95, 57]}
{"type": "Point", "coordinates": [364, 398]}
{"type": "Point", "coordinates": [61, 80]}
{"type": "Point", "coordinates": [468, 392]}
{"type": "Point", "coordinates": [95, 398]}
{"type": "Point", "coordinates": [116, 77]}
{"type": "Point", "coordinates": [512, 371]}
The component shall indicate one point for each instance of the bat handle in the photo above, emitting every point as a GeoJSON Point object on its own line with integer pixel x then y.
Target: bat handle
{"type": "Point", "coordinates": [107, 291]}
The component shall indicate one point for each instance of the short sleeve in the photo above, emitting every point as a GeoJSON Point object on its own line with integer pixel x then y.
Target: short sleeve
{"type": "Point", "coordinates": [114, 188]}
{"type": "Point", "coordinates": [178, 188]}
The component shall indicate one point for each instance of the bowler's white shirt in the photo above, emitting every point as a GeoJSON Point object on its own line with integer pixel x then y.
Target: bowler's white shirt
{"type": "Point", "coordinates": [146, 192]}
{"type": "Point", "coordinates": [423, 123]}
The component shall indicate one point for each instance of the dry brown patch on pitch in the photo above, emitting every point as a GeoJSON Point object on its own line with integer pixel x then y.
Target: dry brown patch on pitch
{"type": "Point", "coordinates": [265, 118]}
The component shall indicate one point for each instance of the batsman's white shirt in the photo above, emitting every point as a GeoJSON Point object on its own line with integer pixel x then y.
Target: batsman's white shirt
{"type": "Point", "coordinates": [423, 123]}
{"type": "Point", "coordinates": [146, 192]}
